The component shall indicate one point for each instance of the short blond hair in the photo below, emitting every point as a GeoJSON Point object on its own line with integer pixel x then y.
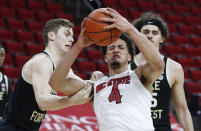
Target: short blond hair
{"type": "Point", "coordinates": [53, 26]}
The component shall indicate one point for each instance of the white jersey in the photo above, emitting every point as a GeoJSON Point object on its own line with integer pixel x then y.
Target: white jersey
{"type": "Point", "coordinates": [122, 103]}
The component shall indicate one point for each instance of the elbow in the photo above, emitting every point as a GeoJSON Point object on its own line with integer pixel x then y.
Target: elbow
{"type": "Point", "coordinates": [161, 66]}
{"type": "Point", "coordinates": [44, 105]}
{"type": "Point", "coordinates": [41, 104]}
{"type": "Point", "coordinates": [53, 84]}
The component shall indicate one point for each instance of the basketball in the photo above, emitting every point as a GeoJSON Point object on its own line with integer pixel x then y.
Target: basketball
{"type": "Point", "coordinates": [95, 31]}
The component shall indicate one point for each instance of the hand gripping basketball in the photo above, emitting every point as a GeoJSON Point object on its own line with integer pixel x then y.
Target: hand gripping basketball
{"type": "Point", "coordinates": [95, 31]}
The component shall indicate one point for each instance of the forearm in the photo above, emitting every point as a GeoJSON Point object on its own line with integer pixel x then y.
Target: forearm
{"type": "Point", "coordinates": [147, 48]}
{"type": "Point", "coordinates": [62, 70]}
{"type": "Point", "coordinates": [54, 102]}
{"type": "Point", "coordinates": [185, 119]}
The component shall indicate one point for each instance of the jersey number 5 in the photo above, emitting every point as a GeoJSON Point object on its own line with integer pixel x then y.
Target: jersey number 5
{"type": "Point", "coordinates": [115, 95]}
{"type": "Point", "coordinates": [154, 100]}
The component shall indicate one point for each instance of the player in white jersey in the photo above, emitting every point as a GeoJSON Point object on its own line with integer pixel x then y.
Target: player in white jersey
{"type": "Point", "coordinates": [122, 101]}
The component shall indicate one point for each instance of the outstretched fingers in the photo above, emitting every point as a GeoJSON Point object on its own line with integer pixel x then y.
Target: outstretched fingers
{"type": "Point", "coordinates": [112, 11]}
{"type": "Point", "coordinates": [109, 20]}
{"type": "Point", "coordinates": [115, 19]}
{"type": "Point", "coordinates": [111, 26]}
{"type": "Point", "coordinates": [107, 12]}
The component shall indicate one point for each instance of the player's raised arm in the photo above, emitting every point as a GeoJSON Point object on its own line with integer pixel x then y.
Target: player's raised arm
{"type": "Point", "coordinates": [155, 64]}
{"type": "Point", "coordinates": [58, 79]}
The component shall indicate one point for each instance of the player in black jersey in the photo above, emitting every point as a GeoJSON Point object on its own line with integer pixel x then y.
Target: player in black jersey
{"type": "Point", "coordinates": [5, 85]}
{"type": "Point", "coordinates": [170, 84]}
{"type": "Point", "coordinates": [32, 95]}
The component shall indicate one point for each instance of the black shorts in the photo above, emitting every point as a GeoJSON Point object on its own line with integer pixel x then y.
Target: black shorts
{"type": "Point", "coordinates": [6, 126]}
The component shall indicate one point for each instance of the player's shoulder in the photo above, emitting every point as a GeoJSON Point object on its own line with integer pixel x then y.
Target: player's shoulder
{"type": "Point", "coordinates": [173, 65]}
{"type": "Point", "coordinates": [37, 62]}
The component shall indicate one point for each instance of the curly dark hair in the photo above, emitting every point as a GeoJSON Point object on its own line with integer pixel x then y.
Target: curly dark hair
{"type": "Point", "coordinates": [148, 18]}
{"type": "Point", "coordinates": [129, 43]}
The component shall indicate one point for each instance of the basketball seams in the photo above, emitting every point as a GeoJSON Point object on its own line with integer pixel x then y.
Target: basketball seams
{"type": "Point", "coordinates": [106, 38]}
{"type": "Point", "coordinates": [90, 38]}
{"type": "Point", "coordinates": [95, 29]}
{"type": "Point", "coordinates": [107, 16]}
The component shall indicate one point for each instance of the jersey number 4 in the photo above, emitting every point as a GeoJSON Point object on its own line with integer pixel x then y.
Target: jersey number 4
{"type": "Point", "coordinates": [115, 94]}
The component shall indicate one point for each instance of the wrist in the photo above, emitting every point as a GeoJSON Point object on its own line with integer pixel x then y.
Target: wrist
{"type": "Point", "coordinates": [68, 100]}
{"type": "Point", "coordinates": [131, 29]}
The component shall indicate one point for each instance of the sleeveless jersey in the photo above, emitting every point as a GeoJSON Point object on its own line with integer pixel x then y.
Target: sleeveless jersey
{"type": "Point", "coordinates": [5, 92]}
{"type": "Point", "coordinates": [23, 110]}
{"type": "Point", "coordinates": [122, 103]}
{"type": "Point", "coordinates": [161, 101]}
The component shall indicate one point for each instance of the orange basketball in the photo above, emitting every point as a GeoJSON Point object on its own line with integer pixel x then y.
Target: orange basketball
{"type": "Point", "coordinates": [96, 32]}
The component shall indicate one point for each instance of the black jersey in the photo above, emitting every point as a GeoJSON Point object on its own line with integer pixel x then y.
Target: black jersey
{"type": "Point", "coordinates": [161, 101]}
{"type": "Point", "coordinates": [23, 110]}
{"type": "Point", "coordinates": [5, 92]}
